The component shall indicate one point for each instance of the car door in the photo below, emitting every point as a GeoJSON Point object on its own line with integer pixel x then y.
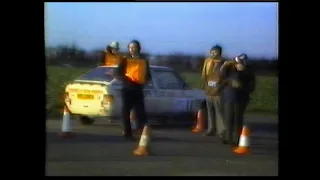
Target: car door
{"type": "Point", "coordinates": [150, 97]}
{"type": "Point", "coordinates": [170, 92]}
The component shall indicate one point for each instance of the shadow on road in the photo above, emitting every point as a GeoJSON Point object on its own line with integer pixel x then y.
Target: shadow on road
{"type": "Point", "coordinates": [196, 139]}
{"type": "Point", "coordinates": [258, 127]}
{"type": "Point", "coordinates": [80, 137]}
{"type": "Point", "coordinates": [176, 134]}
{"type": "Point", "coordinates": [265, 150]}
{"type": "Point", "coordinates": [264, 127]}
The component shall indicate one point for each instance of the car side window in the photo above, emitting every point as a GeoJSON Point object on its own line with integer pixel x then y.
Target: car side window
{"type": "Point", "coordinates": [166, 79]}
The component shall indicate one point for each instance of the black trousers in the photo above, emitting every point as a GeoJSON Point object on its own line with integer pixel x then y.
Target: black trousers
{"type": "Point", "coordinates": [234, 116]}
{"type": "Point", "coordinates": [133, 99]}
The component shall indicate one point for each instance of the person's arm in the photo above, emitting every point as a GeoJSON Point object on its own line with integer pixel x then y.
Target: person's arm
{"type": "Point", "coordinates": [120, 72]}
{"type": "Point", "coordinates": [227, 79]}
{"type": "Point", "coordinates": [224, 78]}
{"type": "Point", "coordinates": [252, 81]}
{"type": "Point", "coordinates": [203, 74]}
{"type": "Point", "coordinates": [148, 74]}
{"type": "Point", "coordinates": [225, 67]}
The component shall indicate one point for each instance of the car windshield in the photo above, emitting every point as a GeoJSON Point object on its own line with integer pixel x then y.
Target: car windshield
{"type": "Point", "coordinates": [99, 74]}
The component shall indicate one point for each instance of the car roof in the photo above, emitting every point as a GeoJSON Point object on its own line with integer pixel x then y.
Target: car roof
{"type": "Point", "coordinates": [152, 67]}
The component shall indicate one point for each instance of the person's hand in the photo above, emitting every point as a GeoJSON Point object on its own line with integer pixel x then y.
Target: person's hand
{"type": "Point", "coordinates": [235, 84]}
{"type": "Point", "coordinates": [239, 66]}
{"type": "Point", "coordinates": [127, 79]}
{"type": "Point", "coordinates": [203, 86]}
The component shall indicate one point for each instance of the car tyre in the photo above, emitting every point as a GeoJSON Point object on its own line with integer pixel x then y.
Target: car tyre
{"type": "Point", "coordinates": [85, 120]}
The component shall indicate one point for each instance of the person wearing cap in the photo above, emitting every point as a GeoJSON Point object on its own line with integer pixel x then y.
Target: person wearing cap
{"type": "Point", "coordinates": [132, 92]}
{"type": "Point", "coordinates": [111, 50]}
{"type": "Point", "coordinates": [211, 77]}
{"type": "Point", "coordinates": [237, 84]}
{"type": "Point", "coordinates": [248, 72]}
{"type": "Point", "coordinates": [249, 80]}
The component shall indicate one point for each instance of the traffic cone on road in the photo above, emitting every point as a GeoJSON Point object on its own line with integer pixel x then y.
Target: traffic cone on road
{"type": "Point", "coordinates": [66, 124]}
{"type": "Point", "coordinates": [199, 121]}
{"type": "Point", "coordinates": [244, 142]}
{"type": "Point", "coordinates": [143, 147]}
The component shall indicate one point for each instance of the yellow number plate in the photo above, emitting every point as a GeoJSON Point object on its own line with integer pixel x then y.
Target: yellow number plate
{"type": "Point", "coordinates": [85, 96]}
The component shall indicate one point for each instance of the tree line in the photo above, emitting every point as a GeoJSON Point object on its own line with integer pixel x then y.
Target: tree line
{"type": "Point", "coordinates": [74, 56]}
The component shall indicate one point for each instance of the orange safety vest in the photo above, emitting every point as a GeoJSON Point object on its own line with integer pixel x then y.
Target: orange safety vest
{"type": "Point", "coordinates": [136, 70]}
{"type": "Point", "coordinates": [111, 59]}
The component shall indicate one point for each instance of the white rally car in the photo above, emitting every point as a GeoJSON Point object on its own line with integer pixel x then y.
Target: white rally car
{"type": "Point", "coordinates": [167, 96]}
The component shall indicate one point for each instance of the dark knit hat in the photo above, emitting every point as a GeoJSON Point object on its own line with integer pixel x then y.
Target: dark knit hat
{"type": "Point", "coordinates": [216, 47]}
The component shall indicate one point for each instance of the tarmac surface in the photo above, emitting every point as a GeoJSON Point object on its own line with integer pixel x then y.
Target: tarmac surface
{"type": "Point", "coordinates": [99, 150]}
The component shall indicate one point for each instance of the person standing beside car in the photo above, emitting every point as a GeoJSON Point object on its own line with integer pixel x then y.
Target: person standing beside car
{"type": "Point", "coordinates": [132, 92]}
{"type": "Point", "coordinates": [238, 83]}
{"type": "Point", "coordinates": [211, 76]}
{"type": "Point", "coordinates": [249, 80]}
{"type": "Point", "coordinates": [111, 55]}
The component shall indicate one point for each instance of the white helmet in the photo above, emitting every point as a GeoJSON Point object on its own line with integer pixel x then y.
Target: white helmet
{"type": "Point", "coordinates": [114, 45]}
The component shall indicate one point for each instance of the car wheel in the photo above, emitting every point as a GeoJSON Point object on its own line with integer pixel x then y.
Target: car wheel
{"type": "Point", "coordinates": [85, 120]}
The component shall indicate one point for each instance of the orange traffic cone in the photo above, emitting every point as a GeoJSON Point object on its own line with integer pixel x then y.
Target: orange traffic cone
{"type": "Point", "coordinates": [244, 142]}
{"type": "Point", "coordinates": [66, 124]}
{"type": "Point", "coordinates": [200, 122]}
{"type": "Point", "coordinates": [143, 149]}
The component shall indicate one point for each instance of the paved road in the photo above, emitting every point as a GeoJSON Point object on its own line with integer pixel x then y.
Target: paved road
{"type": "Point", "coordinates": [99, 150]}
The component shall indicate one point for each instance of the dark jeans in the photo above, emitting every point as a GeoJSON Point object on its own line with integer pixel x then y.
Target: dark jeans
{"type": "Point", "coordinates": [234, 116]}
{"type": "Point", "coordinates": [216, 123]}
{"type": "Point", "coordinates": [133, 99]}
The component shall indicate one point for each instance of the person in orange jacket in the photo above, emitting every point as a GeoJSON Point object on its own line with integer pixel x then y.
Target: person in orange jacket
{"type": "Point", "coordinates": [111, 54]}
{"type": "Point", "coordinates": [132, 92]}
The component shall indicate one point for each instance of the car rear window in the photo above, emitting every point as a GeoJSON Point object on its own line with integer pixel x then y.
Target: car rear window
{"type": "Point", "coordinates": [99, 74]}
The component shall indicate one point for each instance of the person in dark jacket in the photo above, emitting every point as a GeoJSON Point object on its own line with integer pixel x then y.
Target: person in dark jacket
{"type": "Point", "coordinates": [132, 92]}
{"type": "Point", "coordinates": [249, 79]}
{"type": "Point", "coordinates": [238, 83]}
{"type": "Point", "coordinates": [111, 50]}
